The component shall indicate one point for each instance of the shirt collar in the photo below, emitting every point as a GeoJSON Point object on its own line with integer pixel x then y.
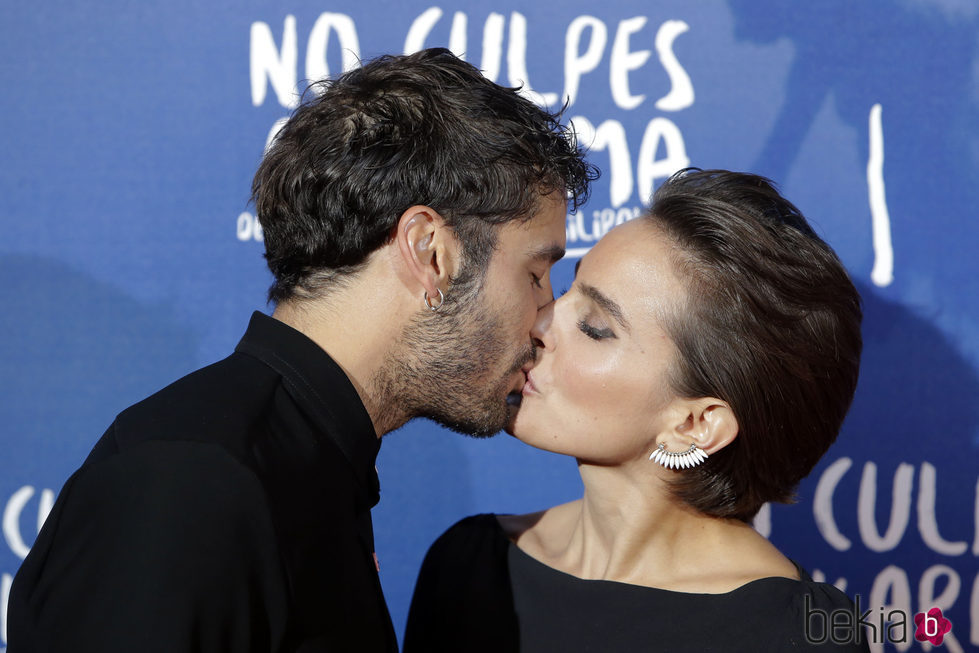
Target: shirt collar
{"type": "Point", "coordinates": [321, 387]}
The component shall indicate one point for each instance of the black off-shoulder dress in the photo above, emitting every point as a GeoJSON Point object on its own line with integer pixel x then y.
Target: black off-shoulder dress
{"type": "Point", "coordinates": [477, 591]}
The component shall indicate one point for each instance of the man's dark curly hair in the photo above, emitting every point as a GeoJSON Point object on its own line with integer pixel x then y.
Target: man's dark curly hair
{"type": "Point", "coordinates": [425, 128]}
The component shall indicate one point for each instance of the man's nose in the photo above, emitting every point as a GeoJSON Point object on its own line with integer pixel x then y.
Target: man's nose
{"type": "Point", "coordinates": [540, 332]}
{"type": "Point", "coordinates": [546, 293]}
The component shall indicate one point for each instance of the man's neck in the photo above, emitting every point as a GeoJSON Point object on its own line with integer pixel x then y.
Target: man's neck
{"type": "Point", "coordinates": [360, 336]}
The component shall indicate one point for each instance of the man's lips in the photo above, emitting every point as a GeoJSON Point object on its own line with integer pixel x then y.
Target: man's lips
{"type": "Point", "coordinates": [525, 386]}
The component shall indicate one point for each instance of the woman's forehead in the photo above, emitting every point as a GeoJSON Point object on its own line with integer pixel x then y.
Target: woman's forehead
{"type": "Point", "coordinates": [633, 265]}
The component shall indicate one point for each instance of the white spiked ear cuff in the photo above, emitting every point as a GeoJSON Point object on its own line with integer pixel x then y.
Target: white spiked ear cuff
{"type": "Point", "coordinates": [679, 459]}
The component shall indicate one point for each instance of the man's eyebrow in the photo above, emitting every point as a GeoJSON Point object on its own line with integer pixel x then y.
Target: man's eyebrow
{"type": "Point", "coordinates": [550, 253]}
{"type": "Point", "coordinates": [602, 300]}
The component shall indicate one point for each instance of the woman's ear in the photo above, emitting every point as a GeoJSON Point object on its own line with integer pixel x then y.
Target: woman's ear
{"type": "Point", "coordinates": [428, 248]}
{"type": "Point", "coordinates": [707, 422]}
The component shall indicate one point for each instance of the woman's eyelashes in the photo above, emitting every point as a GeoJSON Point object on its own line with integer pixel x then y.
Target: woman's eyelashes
{"type": "Point", "coordinates": [593, 332]}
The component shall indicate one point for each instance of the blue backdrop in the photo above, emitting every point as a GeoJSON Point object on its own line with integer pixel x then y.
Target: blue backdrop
{"type": "Point", "coordinates": [129, 255]}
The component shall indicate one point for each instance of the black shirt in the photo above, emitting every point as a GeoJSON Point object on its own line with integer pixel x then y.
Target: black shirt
{"type": "Point", "coordinates": [517, 603]}
{"type": "Point", "coordinates": [228, 512]}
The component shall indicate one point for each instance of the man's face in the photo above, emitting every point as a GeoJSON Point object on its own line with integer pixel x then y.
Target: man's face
{"type": "Point", "coordinates": [467, 357]}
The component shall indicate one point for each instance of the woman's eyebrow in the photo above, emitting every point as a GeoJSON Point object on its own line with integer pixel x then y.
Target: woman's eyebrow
{"type": "Point", "coordinates": [605, 302]}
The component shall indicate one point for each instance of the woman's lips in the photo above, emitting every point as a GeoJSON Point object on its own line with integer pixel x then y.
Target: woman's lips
{"type": "Point", "coordinates": [529, 387]}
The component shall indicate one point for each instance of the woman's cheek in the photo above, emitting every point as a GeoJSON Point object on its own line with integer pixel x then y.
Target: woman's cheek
{"type": "Point", "coordinates": [589, 378]}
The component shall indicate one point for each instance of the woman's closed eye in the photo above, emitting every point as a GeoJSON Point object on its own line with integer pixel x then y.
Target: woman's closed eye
{"type": "Point", "coordinates": [595, 333]}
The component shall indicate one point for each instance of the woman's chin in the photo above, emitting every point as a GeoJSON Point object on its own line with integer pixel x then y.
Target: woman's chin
{"type": "Point", "coordinates": [522, 430]}
{"type": "Point", "coordinates": [517, 409]}
{"type": "Point", "coordinates": [513, 426]}
{"type": "Point", "coordinates": [516, 426]}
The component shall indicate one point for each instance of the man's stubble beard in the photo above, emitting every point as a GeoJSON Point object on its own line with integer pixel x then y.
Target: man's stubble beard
{"type": "Point", "coordinates": [443, 367]}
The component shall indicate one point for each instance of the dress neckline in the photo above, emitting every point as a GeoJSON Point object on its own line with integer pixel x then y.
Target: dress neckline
{"type": "Point", "coordinates": [599, 582]}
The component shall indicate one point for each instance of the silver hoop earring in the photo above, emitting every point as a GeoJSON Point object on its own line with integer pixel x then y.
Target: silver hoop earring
{"type": "Point", "coordinates": [679, 459]}
{"type": "Point", "coordinates": [437, 306]}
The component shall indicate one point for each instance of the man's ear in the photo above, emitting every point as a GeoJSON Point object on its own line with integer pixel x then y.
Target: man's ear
{"type": "Point", "coordinates": [707, 422]}
{"type": "Point", "coordinates": [428, 247]}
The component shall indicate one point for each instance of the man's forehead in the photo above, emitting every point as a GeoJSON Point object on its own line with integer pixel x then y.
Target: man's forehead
{"type": "Point", "coordinates": [534, 247]}
{"type": "Point", "coordinates": [541, 236]}
{"type": "Point", "coordinates": [551, 252]}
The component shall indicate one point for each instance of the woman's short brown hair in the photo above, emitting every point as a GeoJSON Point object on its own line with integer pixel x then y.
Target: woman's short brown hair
{"type": "Point", "coordinates": [770, 324]}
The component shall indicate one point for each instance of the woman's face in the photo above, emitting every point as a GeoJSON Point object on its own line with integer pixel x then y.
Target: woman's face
{"type": "Point", "coordinates": [599, 390]}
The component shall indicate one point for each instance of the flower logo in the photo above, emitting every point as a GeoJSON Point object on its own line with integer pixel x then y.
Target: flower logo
{"type": "Point", "coordinates": [932, 626]}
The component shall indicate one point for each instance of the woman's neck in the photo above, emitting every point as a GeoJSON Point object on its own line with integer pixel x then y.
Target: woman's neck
{"type": "Point", "coordinates": [628, 528]}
